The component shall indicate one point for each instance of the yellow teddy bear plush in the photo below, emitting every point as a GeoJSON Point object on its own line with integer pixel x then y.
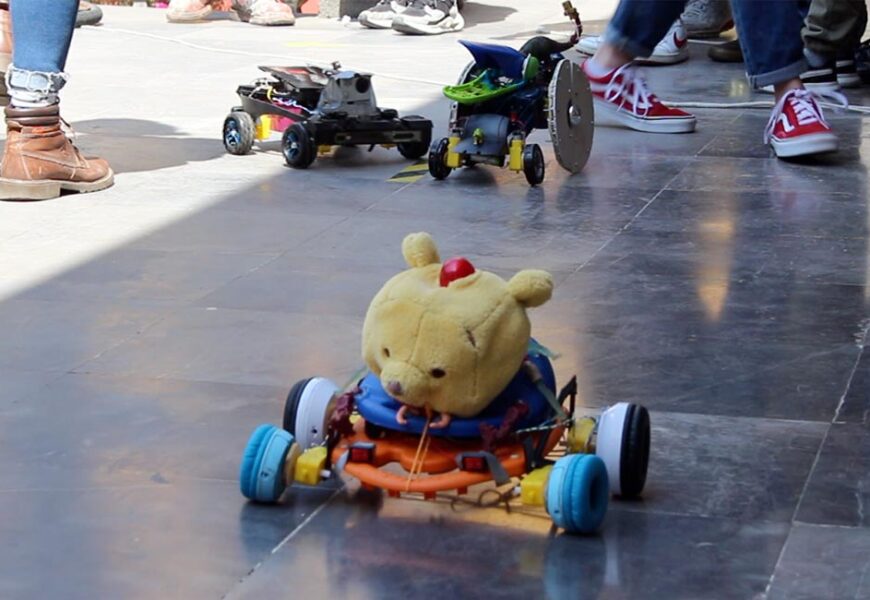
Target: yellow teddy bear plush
{"type": "Point", "coordinates": [449, 338]}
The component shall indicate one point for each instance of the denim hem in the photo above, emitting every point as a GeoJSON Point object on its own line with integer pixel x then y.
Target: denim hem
{"type": "Point", "coordinates": [778, 76]}
{"type": "Point", "coordinates": [622, 42]}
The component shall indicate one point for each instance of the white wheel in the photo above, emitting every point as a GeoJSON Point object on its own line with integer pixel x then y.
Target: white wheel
{"type": "Point", "coordinates": [623, 444]}
{"type": "Point", "coordinates": [307, 410]}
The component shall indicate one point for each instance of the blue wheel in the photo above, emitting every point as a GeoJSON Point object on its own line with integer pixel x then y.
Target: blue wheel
{"type": "Point", "coordinates": [578, 492]}
{"type": "Point", "coordinates": [261, 475]}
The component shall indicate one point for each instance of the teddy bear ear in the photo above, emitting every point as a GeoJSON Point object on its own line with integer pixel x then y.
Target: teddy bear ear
{"type": "Point", "coordinates": [531, 287]}
{"type": "Point", "coordinates": [419, 250]}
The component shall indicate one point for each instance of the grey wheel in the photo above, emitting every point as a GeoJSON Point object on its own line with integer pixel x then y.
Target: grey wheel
{"type": "Point", "coordinates": [238, 133]}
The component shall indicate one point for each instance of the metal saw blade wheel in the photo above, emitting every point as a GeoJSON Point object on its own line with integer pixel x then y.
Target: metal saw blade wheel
{"type": "Point", "coordinates": [571, 117]}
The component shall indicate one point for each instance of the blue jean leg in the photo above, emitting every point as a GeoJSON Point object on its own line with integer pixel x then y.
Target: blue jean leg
{"type": "Point", "coordinates": [638, 25]}
{"type": "Point", "coordinates": [42, 30]}
{"type": "Point", "coordinates": [770, 37]}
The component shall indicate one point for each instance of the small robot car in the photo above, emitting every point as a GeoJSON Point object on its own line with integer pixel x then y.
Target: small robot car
{"type": "Point", "coordinates": [317, 109]}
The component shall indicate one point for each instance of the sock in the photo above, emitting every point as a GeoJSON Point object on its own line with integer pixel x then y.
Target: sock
{"type": "Point", "coordinates": [596, 70]}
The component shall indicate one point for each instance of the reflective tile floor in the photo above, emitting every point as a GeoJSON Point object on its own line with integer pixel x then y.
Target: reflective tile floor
{"type": "Point", "coordinates": [148, 329]}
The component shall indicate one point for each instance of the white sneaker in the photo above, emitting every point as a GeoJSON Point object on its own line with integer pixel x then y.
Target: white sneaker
{"type": "Point", "coordinates": [429, 17]}
{"type": "Point", "coordinates": [381, 15]}
{"type": "Point", "coordinates": [707, 18]}
{"type": "Point", "coordinates": [672, 49]}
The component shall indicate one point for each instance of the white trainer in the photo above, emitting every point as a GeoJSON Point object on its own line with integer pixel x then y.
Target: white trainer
{"type": "Point", "coordinates": [672, 49]}
{"type": "Point", "coordinates": [382, 14]}
{"type": "Point", "coordinates": [429, 17]}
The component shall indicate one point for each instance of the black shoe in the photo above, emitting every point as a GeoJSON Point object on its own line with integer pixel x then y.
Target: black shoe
{"type": "Point", "coordinates": [89, 14]}
{"type": "Point", "coordinates": [847, 73]}
{"type": "Point", "coordinates": [862, 61]}
{"type": "Point", "coordinates": [729, 52]}
{"type": "Point", "coordinates": [821, 77]}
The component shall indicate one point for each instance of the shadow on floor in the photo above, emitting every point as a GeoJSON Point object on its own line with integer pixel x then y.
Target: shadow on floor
{"type": "Point", "coordinates": [135, 145]}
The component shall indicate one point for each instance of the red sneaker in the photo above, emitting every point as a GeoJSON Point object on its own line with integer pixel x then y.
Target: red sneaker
{"type": "Point", "coordinates": [797, 126]}
{"type": "Point", "coordinates": [622, 98]}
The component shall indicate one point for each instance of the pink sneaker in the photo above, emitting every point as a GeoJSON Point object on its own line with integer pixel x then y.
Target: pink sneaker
{"type": "Point", "coordinates": [797, 126]}
{"type": "Point", "coordinates": [190, 11]}
{"type": "Point", "coordinates": [622, 98]}
{"type": "Point", "coordinates": [265, 12]}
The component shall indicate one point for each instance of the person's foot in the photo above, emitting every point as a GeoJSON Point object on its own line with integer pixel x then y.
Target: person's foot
{"type": "Point", "coordinates": [729, 52]}
{"type": "Point", "coordinates": [707, 18]}
{"type": "Point", "coordinates": [797, 127]}
{"type": "Point", "coordinates": [190, 11]}
{"type": "Point", "coordinates": [39, 160]}
{"type": "Point", "coordinates": [825, 78]}
{"type": "Point", "coordinates": [89, 14]}
{"type": "Point", "coordinates": [862, 61]}
{"type": "Point", "coordinates": [622, 98]}
{"type": "Point", "coordinates": [381, 15]}
{"type": "Point", "coordinates": [672, 49]}
{"type": "Point", "coordinates": [429, 17]}
{"type": "Point", "coordinates": [264, 12]}
{"type": "Point", "coordinates": [847, 73]}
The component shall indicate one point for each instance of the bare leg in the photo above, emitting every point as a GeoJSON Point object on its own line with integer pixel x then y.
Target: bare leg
{"type": "Point", "coordinates": [780, 89]}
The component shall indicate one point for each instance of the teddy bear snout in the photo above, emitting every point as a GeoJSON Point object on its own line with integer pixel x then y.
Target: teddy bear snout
{"type": "Point", "coordinates": [394, 388]}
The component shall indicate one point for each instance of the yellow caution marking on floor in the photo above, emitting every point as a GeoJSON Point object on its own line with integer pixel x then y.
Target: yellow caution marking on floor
{"type": "Point", "coordinates": [411, 173]}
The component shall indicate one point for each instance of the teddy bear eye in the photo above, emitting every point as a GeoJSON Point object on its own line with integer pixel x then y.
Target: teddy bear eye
{"type": "Point", "coordinates": [387, 352]}
{"type": "Point", "coordinates": [437, 373]}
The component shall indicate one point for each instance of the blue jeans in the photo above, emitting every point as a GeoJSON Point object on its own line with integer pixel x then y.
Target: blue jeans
{"type": "Point", "coordinates": [42, 30]}
{"type": "Point", "coordinates": [769, 31]}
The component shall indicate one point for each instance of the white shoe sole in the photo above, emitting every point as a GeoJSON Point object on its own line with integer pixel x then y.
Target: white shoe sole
{"type": "Point", "coordinates": [371, 23]}
{"type": "Point", "coordinates": [448, 25]}
{"type": "Point", "coordinates": [48, 189]}
{"type": "Point", "coordinates": [661, 58]}
{"type": "Point", "coordinates": [657, 58]}
{"type": "Point", "coordinates": [189, 16]}
{"type": "Point", "coordinates": [816, 143]}
{"type": "Point", "coordinates": [817, 87]}
{"type": "Point", "coordinates": [852, 80]}
{"type": "Point", "coordinates": [607, 114]}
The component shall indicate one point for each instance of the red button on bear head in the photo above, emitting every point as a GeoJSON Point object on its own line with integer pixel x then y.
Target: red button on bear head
{"type": "Point", "coordinates": [453, 269]}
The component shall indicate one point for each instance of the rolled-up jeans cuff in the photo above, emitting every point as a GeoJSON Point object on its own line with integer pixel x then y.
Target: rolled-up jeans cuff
{"type": "Point", "coordinates": [783, 74]}
{"type": "Point", "coordinates": [622, 42]}
{"type": "Point", "coordinates": [34, 88]}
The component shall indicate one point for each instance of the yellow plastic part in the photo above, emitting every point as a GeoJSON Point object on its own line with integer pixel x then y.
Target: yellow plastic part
{"type": "Point", "coordinates": [515, 162]}
{"type": "Point", "coordinates": [324, 149]}
{"type": "Point", "coordinates": [290, 462]}
{"type": "Point", "coordinates": [579, 435]}
{"type": "Point", "coordinates": [310, 464]}
{"type": "Point", "coordinates": [533, 487]}
{"type": "Point", "coordinates": [264, 127]}
{"type": "Point", "coordinates": [452, 157]}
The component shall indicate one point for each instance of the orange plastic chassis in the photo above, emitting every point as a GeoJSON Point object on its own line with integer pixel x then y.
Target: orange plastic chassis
{"type": "Point", "coordinates": [439, 472]}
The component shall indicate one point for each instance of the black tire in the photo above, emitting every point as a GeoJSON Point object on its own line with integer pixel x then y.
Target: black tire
{"type": "Point", "coordinates": [634, 457]}
{"type": "Point", "coordinates": [298, 147]}
{"type": "Point", "coordinates": [291, 406]}
{"type": "Point", "coordinates": [533, 164]}
{"type": "Point", "coordinates": [238, 132]}
{"type": "Point", "coordinates": [438, 159]}
{"type": "Point", "coordinates": [415, 150]}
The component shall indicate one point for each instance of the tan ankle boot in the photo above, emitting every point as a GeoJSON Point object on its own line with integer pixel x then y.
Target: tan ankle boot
{"type": "Point", "coordinates": [39, 161]}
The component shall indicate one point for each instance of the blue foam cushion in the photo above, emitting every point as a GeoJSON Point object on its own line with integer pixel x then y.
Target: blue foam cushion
{"type": "Point", "coordinates": [578, 492]}
{"type": "Point", "coordinates": [506, 60]}
{"type": "Point", "coordinates": [260, 474]}
{"type": "Point", "coordinates": [378, 408]}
